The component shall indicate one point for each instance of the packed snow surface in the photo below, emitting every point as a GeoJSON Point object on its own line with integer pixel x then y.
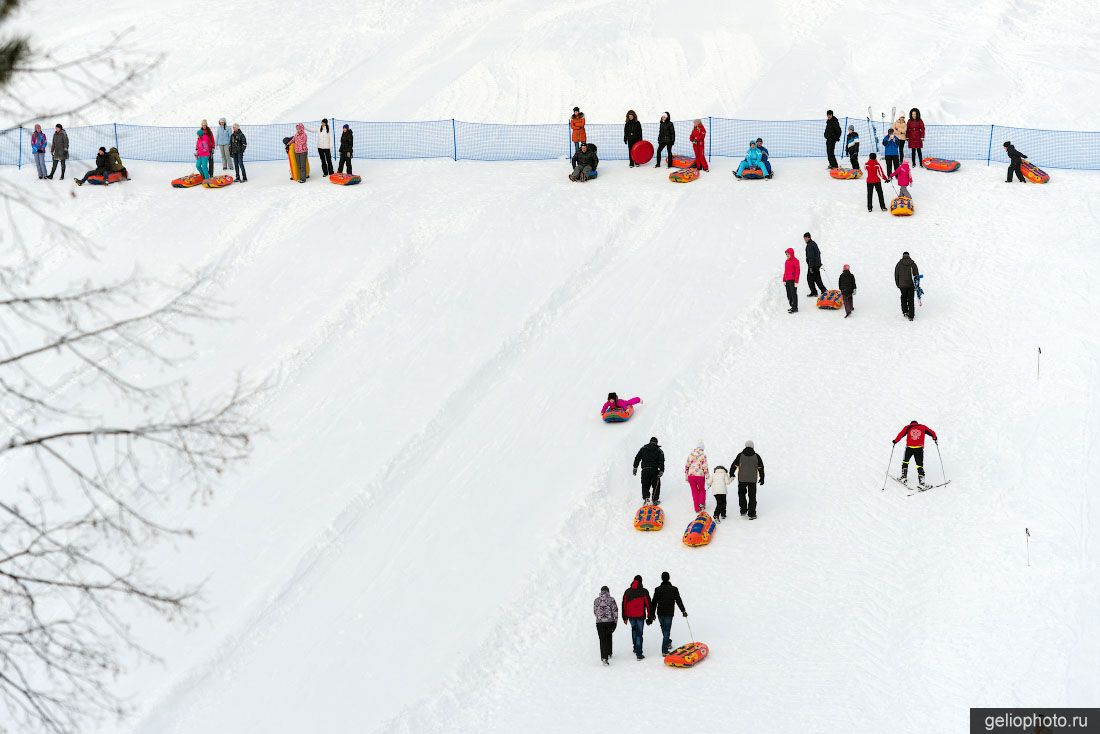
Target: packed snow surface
{"type": "Point", "coordinates": [416, 543]}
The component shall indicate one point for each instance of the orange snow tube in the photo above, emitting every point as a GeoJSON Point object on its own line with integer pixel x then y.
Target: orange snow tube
{"type": "Point", "coordinates": [112, 177]}
{"type": "Point", "coordinates": [902, 206]}
{"type": "Point", "coordinates": [752, 172]}
{"type": "Point", "coordinates": [845, 174]}
{"type": "Point", "coordinates": [649, 517]}
{"type": "Point", "coordinates": [186, 182]}
{"type": "Point", "coordinates": [700, 530]}
{"type": "Point", "coordinates": [218, 182]}
{"type": "Point", "coordinates": [683, 161]}
{"type": "Point", "coordinates": [1031, 172]}
{"type": "Point", "coordinates": [683, 175]}
{"type": "Point", "coordinates": [344, 179]}
{"type": "Point", "coordinates": [830, 299]}
{"type": "Point", "coordinates": [618, 415]}
{"type": "Point", "coordinates": [941, 164]}
{"type": "Point", "coordinates": [685, 656]}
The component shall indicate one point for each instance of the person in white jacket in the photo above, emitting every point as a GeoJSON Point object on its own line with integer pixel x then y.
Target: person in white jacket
{"type": "Point", "coordinates": [696, 472]}
{"type": "Point", "coordinates": [719, 480]}
{"type": "Point", "coordinates": [324, 148]}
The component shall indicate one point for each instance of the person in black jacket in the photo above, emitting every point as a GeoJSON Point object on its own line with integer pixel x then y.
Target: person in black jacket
{"type": "Point", "coordinates": [347, 145]}
{"type": "Point", "coordinates": [584, 161]}
{"type": "Point", "coordinates": [847, 289]}
{"type": "Point", "coordinates": [652, 460]}
{"type": "Point", "coordinates": [666, 598]}
{"type": "Point", "coordinates": [1016, 158]}
{"type": "Point", "coordinates": [905, 274]}
{"type": "Point", "coordinates": [632, 133]}
{"type": "Point", "coordinates": [832, 136]}
{"type": "Point", "coordinates": [102, 168]}
{"type": "Point", "coordinates": [813, 265]}
{"type": "Point", "coordinates": [666, 138]}
{"type": "Point", "coordinates": [237, 144]}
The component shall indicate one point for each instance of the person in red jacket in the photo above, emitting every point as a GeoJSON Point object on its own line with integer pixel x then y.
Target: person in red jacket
{"type": "Point", "coordinates": [698, 137]}
{"type": "Point", "coordinates": [914, 434]}
{"type": "Point", "coordinates": [874, 180]}
{"type": "Point", "coordinates": [791, 271]}
{"type": "Point", "coordinates": [636, 612]}
{"type": "Point", "coordinates": [914, 135]}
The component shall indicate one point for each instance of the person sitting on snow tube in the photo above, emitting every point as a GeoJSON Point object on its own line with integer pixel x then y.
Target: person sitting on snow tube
{"type": "Point", "coordinates": [753, 159]}
{"type": "Point", "coordinates": [764, 157]}
{"type": "Point", "coordinates": [584, 161]}
{"type": "Point", "coordinates": [614, 403]}
{"type": "Point", "coordinates": [116, 163]}
{"type": "Point", "coordinates": [102, 168]}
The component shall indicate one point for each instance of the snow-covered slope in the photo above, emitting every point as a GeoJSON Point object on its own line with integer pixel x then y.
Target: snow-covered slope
{"type": "Point", "coordinates": [416, 545]}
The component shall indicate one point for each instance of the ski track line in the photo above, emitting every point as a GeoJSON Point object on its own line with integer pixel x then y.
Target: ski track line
{"type": "Point", "coordinates": [422, 444]}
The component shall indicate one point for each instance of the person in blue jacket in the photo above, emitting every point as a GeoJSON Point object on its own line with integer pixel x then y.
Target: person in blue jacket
{"type": "Point", "coordinates": [890, 150]}
{"type": "Point", "coordinates": [222, 136]}
{"type": "Point", "coordinates": [753, 159]}
{"type": "Point", "coordinates": [764, 157]}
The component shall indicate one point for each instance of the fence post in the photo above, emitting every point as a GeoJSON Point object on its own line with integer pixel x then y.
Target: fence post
{"type": "Point", "coordinates": [116, 133]}
{"type": "Point", "coordinates": [989, 150]}
{"type": "Point", "coordinates": [19, 165]}
{"type": "Point", "coordinates": [454, 140]}
{"type": "Point", "coordinates": [710, 138]}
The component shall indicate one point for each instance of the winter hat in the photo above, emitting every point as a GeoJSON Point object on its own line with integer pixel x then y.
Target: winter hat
{"type": "Point", "coordinates": [851, 128]}
{"type": "Point", "coordinates": [1007, 143]}
{"type": "Point", "coordinates": [653, 439]}
{"type": "Point", "coordinates": [604, 590]}
{"type": "Point", "coordinates": [873, 157]}
{"type": "Point", "coordinates": [346, 127]}
{"type": "Point", "coordinates": [905, 254]}
{"type": "Point", "coordinates": [664, 575]}
{"type": "Point", "coordinates": [806, 234]}
{"type": "Point", "coordinates": [576, 109]}
{"type": "Point", "coordinates": [749, 445]}
{"type": "Point", "coordinates": [845, 266]}
{"type": "Point", "coordinates": [638, 578]}
{"type": "Point", "coordinates": [700, 444]}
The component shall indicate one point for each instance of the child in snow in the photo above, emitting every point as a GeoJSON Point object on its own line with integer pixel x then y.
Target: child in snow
{"type": "Point", "coordinates": [890, 150]}
{"type": "Point", "coordinates": [765, 159]}
{"type": "Point", "coordinates": [697, 138]}
{"type": "Point", "coordinates": [300, 141]}
{"type": "Point", "coordinates": [791, 268]}
{"type": "Point", "coordinates": [851, 145]}
{"type": "Point", "coordinates": [576, 129]}
{"type": "Point", "coordinates": [210, 140]}
{"type": "Point", "coordinates": [202, 154]}
{"type": "Point", "coordinates": [38, 150]}
{"type": "Point", "coordinates": [914, 134]}
{"type": "Point", "coordinates": [904, 177]}
{"type": "Point", "coordinates": [874, 181]}
{"type": "Point", "coordinates": [847, 289]}
{"type": "Point", "coordinates": [696, 473]}
{"type": "Point", "coordinates": [614, 402]}
{"type": "Point", "coordinates": [718, 482]}
{"type": "Point", "coordinates": [753, 159]}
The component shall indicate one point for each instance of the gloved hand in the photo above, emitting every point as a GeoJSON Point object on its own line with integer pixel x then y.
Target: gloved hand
{"type": "Point", "coordinates": [661, 473]}
{"type": "Point", "coordinates": [649, 621]}
{"type": "Point", "coordinates": [635, 471]}
{"type": "Point", "coordinates": [761, 481]}
{"type": "Point", "coordinates": [685, 614]}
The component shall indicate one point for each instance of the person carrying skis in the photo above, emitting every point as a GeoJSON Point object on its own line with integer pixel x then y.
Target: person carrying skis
{"type": "Point", "coordinates": [904, 177]}
{"type": "Point", "coordinates": [576, 129]}
{"type": "Point", "coordinates": [847, 289]}
{"type": "Point", "coordinates": [1016, 158]}
{"type": "Point", "coordinates": [632, 133]}
{"type": "Point", "coordinates": [851, 144]}
{"type": "Point", "coordinates": [765, 159]}
{"type": "Point", "coordinates": [717, 484]}
{"type": "Point", "coordinates": [748, 467]}
{"type": "Point", "coordinates": [636, 608]}
{"type": "Point", "coordinates": [791, 269]}
{"type": "Point", "coordinates": [698, 138]}
{"type": "Point", "coordinates": [890, 150]}
{"type": "Point", "coordinates": [914, 434]}
{"type": "Point", "coordinates": [666, 598]}
{"type": "Point", "coordinates": [613, 401]}
{"type": "Point", "coordinates": [914, 135]}
{"type": "Point", "coordinates": [832, 135]}
{"type": "Point", "coordinates": [584, 162]}
{"type": "Point", "coordinates": [813, 265]}
{"type": "Point", "coordinates": [38, 150]}
{"type": "Point", "coordinates": [696, 473]}
{"type": "Point", "coordinates": [666, 138]}
{"type": "Point", "coordinates": [607, 619]}
{"type": "Point", "coordinates": [905, 278]}
{"type": "Point", "coordinates": [652, 460]}
{"type": "Point", "coordinates": [874, 181]}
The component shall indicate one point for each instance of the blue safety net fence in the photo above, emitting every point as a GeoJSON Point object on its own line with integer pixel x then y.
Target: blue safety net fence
{"type": "Point", "coordinates": [502, 142]}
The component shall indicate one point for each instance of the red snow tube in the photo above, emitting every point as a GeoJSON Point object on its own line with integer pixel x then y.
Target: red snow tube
{"type": "Point", "coordinates": [752, 173]}
{"type": "Point", "coordinates": [641, 152]}
{"type": "Point", "coordinates": [618, 415]}
{"type": "Point", "coordinates": [113, 177]}
{"type": "Point", "coordinates": [186, 182]}
{"type": "Point", "coordinates": [687, 655]}
{"type": "Point", "coordinates": [682, 161]}
{"type": "Point", "coordinates": [941, 164]}
{"type": "Point", "coordinates": [218, 182]}
{"type": "Point", "coordinates": [845, 174]}
{"type": "Point", "coordinates": [344, 179]}
{"type": "Point", "coordinates": [1032, 173]}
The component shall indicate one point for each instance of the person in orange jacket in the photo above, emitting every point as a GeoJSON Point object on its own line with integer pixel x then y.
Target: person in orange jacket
{"type": "Point", "coordinates": [914, 434]}
{"type": "Point", "coordinates": [698, 138]}
{"type": "Point", "coordinates": [576, 127]}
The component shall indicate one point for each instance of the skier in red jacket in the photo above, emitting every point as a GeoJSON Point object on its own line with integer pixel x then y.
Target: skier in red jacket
{"type": "Point", "coordinates": [636, 609]}
{"type": "Point", "coordinates": [914, 434]}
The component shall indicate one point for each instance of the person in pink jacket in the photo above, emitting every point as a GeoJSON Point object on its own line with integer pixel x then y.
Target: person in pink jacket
{"type": "Point", "coordinates": [791, 270]}
{"type": "Point", "coordinates": [301, 150]}
{"type": "Point", "coordinates": [614, 402]}
{"type": "Point", "coordinates": [904, 175]}
{"type": "Point", "coordinates": [697, 472]}
{"type": "Point", "coordinates": [202, 155]}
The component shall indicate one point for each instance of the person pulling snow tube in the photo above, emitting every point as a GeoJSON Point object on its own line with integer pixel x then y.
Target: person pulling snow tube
{"type": "Point", "coordinates": [616, 410]}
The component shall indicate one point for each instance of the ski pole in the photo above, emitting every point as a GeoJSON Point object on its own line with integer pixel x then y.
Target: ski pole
{"type": "Point", "coordinates": [942, 471]}
{"type": "Point", "coordinates": [886, 478]}
{"type": "Point", "coordinates": [1027, 544]}
{"type": "Point", "coordinates": [1037, 358]}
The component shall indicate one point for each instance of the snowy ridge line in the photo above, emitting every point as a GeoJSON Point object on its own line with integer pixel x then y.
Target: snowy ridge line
{"type": "Point", "coordinates": [414, 451]}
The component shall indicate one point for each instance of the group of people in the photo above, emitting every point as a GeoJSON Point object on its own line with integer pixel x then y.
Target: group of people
{"type": "Point", "coordinates": [58, 147]}
{"type": "Point", "coordinates": [903, 131]}
{"type": "Point", "coordinates": [106, 163]}
{"type": "Point", "coordinates": [638, 609]}
{"type": "Point", "coordinates": [906, 278]}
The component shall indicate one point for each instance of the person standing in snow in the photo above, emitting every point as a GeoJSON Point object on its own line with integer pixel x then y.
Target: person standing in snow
{"type": "Point", "coordinates": [890, 150]}
{"type": "Point", "coordinates": [324, 148]}
{"type": "Point", "coordinates": [607, 619]}
{"type": "Point", "coordinates": [666, 138]}
{"type": "Point", "coordinates": [696, 473]}
{"type": "Point", "coordinates": [851, 145]}
{"type": "Point", "coordinates": [636, 610]}
{"type": "Point", "coordinates": [813, 266]}
{"type": "Point", "coordinates": [632, 133]}
{"type": "Point", "coordinates": [914, 434]}
{"type": "Point", "coordinates": [202, 154]}
{"type": "Point", "coordinates": [904, 177]}
{"type": "Point", "coordinates": [237, 144]}
{"type": "Point", "coordinates": [765, 158]}
{"type": "Point", "coordinates": [347, 147]}
{"type": "Point", "coordinates": [652, 460]}
{"type": "Point", "coordinates": [221, 139]}
{"type": "Point", "coordinates": [584, 162]}
{"type": "Point", "coordinates": [914, 134]}
{"type": "Point", "coordinates": [666, 598]}
{"type": "Point", "coordinates": [900, 133]}
{"type": "Point", "coordinates": [59, 150]}
{"type": "Point", "coordinates": [748, 467]}
{"type": "Point", "coordinates": [848, 290]}
{"type": "Point", "coordinates": [38, 151]}
{"type": "Point", "coordinates": [791, 270]}
{"type": "Point", "coordinates": [102, 168]}
{"type": "Point", "coordinates": [300, 141]}
{"type": "Point", "coordinates": [905, 278]}
{"type": "Point", "coordinates": [874, 181]}
{"type": "Point", "coordinates": [832, 135]}
{"type": "Point", "coordinates": [576, 129]}
{"type": "Point", "coordinates": [718, 484]}
{"type": "Point", "coordinates": [1015, 157]}
{"type": "Point", "coordinates": [698, 138]}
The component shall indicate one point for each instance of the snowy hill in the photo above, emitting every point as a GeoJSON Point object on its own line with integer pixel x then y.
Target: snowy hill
{"type": "Point", "coordinates": [416, 545]}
